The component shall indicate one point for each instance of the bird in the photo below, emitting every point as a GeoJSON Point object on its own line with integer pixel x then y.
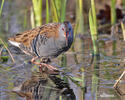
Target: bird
{"type": "Point", "coordinates": [46, 41]}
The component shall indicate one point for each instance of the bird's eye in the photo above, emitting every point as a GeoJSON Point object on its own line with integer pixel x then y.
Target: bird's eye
{"type": "Point", "coordinates": [63, 29]}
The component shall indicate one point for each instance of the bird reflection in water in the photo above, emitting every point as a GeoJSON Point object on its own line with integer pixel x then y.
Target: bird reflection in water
{"type": "Point", "coordinates": [44, 86]}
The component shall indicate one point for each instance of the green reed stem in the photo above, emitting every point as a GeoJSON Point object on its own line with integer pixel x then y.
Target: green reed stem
{"type": "Point", "coordinates": [94, 16]}
{"type": "Point", "coordinates": [58, 8]}
{"type": "Point", "coordinates": [93, 26]}
{"type": "Point", "coordinates": [79, 16]}
{"type": "Point", "coordinates": [123, 30]}
{"type": "Point", "coordinates": [94, 87]}
{"type": "Point", "coordinates": [64, 64]}
{"type": "Point", "coordinates": [60, 97]}
{"type": "Point", "coordinates": [63, 10]}
{"type": "Point", "coordinates": [93, 32]}
{"type": "Point", "coordinates": [113, 12]}
{"type": "Point", "coordinates": [1, 7]}
{"type": "Point", "coordinates": [37, 6]}
{"type": "Point", "coordinates": [5, 46]}
{"type": "Point", "coordinates": [94, 36]}
{"type": "Point", "coordinates": [95, 77]}
{"type": "Point", "coordinates": [32, 19]}
{"type": "Point", "coordinates": [55, 16]}
{"type": "Point", "coordinates": [114, 48]}
{"type": "Point", "coordinates": [47, 11]}
{"type": "Point", "coordinates": [64, 60]}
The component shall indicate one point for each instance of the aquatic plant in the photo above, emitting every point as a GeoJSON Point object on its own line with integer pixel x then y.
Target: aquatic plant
{"type": "Point", "coordinates": [32, 19]}
{"type": "Point", "coordinates": [94, 36]}
{"type": "Point", "coordinates": [79, 16]}
{"type": "Point", "coordinates": [2, 42]}
{"type": "Point", "coordinates": [63, 10]}
{"type": "Point", "coordinates": [113, 12]}
{"type": "Point", "coordinates": [123, 30]}
{"type": "Point", "coordinates": [47, 12]}
{"type": "Point", "coordinates": [93, 26]}
{"type": "Point", "coordinates": [58, 10]}
{"type": "Point", "coordinates": [55, 16]}
{"type": "Point", "coordinates": [37, 7]}
{"type": "Point", "coordinates": [1, 7]}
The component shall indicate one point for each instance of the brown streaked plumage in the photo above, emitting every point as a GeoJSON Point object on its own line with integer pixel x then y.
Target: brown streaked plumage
{"type": "Point", "coordinates": [27, 36]}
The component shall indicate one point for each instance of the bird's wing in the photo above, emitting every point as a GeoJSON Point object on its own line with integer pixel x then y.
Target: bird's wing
{"type": "Point", "coordinates": [25, 38]}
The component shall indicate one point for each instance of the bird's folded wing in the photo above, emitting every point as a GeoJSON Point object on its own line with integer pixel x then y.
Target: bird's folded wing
{"type": "Point", "coordinates": [25, 38]}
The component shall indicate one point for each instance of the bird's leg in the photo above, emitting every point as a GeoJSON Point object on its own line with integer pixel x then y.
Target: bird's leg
{"type": "Point", "coordinates": [48, 66]}
{"type": "Point", "coordinates": [43, 64]}
{"type": "Point", "coordinates": [34, 62]}
{"type": "Point", "coordinates": [37, 63]}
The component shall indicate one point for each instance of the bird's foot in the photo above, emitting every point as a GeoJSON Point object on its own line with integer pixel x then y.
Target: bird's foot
{"type": "Point", "coordinates": [48, 66]}
{"type": "Point", "coordinates": [33, 60]}
{"type": "Point", "coordinates": [45, 68]}
{"type": "Point", "coordinates": [45, 60]}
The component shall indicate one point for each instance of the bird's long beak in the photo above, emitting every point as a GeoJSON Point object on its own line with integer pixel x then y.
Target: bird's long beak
{"type": "Point", "coordinates": [66, 39]}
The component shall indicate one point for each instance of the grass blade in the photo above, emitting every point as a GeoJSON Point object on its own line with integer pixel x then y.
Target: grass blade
{"type": "Point", "coordinates": [37, 6]}
{"type": "Point", "coordinates": [113, 12]}
{"type": "Point", "coordinates": [93, 31]}
{"type": "Point", "coordinates": [123, 30]}
{"type": "Point", "coordinates": [32, 19]}
{"type": "Point", "coordinates": [55, 16]}
{"type": "Point", "coordinates": [63, 10]}
{"type": "Point", "coordinates": [79, 16]}
{"type": "Point", "coordinates": [47, 11]}
{"type": "Point", "coordinates": [7, 50]}
{"type": "Point", "coordinates": [94, 15]}
{"type": "Point", "coordinates": [1, 7]}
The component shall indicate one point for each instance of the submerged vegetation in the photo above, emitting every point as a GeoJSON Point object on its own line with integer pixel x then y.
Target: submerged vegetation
{"type": "Point", "coordinates": [87, 54]}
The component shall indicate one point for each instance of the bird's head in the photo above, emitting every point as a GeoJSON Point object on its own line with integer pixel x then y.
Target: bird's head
{"type": "Point", "coordinates": [69, 33]}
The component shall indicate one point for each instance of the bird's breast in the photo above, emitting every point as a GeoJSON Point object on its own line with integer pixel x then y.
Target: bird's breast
{"type": "Point", "coordinates": [52, 47]}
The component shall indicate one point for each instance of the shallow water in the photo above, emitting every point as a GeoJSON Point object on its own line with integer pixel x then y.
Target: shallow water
{"type": "Point", "coordinates": [94, 77]}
